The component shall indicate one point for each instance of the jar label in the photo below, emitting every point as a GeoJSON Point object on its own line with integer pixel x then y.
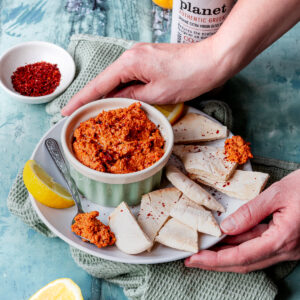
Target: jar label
{"type": "Point", "coordinates": [195, 20]}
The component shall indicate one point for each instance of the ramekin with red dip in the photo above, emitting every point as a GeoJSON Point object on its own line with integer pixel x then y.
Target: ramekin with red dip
{"type": "Point", "coordinates": [117, 149]}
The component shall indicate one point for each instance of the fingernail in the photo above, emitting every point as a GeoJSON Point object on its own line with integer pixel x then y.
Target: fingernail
{"type": "Point", "coordinates": [228, 225]}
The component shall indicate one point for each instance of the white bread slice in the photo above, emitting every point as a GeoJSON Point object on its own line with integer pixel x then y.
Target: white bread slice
{"type": "Point", "coordinates": [192, 190]}
{"type": "Point", "coordinates": [176, 235]}
{"type": "Point", "coordinates": [194, 215]}
{"type": "Point", "coordinates": [197, 128]}
{"type": "Point", "coordinates": [244, 185]}
{"type": "Point", "coordinates": [130, 238]}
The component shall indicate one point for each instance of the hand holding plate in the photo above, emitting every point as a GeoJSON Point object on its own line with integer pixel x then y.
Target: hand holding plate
{"type": "Point", "coordinates": [256, 247]}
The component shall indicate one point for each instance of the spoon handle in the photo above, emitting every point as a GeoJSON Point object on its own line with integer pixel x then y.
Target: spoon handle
{"type": "Point", "coordinates": [56, 155]}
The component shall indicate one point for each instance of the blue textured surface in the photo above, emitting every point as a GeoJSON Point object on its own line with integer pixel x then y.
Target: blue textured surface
{"type": "Point", "coordinates": [264, 98]}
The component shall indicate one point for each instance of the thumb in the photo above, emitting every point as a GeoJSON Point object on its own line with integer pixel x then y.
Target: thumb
{"type": "Point", "coordinates": [253, 212]}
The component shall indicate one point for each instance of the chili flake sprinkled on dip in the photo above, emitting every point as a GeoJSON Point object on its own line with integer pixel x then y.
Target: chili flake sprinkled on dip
{"type": "Point", "coordinates": [237, 150]}
{"type": "Point", "coordinates": [119, 141]}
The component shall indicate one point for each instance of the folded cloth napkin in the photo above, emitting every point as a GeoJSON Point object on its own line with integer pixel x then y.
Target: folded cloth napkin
{"type": "Point", "coordinates": [162, 281]}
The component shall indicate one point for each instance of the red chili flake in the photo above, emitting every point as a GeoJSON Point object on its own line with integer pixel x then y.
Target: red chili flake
{"type": "Point", "coordinates": [219, 213]}
{"type": "Point", "coordinates": [162, 212]}
{"type": "Point", "coordinates": [149, 215]}
{"type": "Point", "coordinates": [217, 131]}
{"type": "Point", "coordinates": [121, 210]}
{"type": "Point", "coordinates": [228, 183]}
{"type": "Point", "coordinates": [38, 79]}
{"type": "Point", "coordinates": [164, 205]}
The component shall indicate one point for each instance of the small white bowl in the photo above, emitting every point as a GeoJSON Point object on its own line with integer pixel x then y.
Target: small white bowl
{"type": "Point", "coordinates": [33, 52]}
{"type": "Point", "coordinates": [111, 189]}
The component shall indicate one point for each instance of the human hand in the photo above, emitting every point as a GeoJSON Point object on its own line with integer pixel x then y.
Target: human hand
{"type": "Point", "coordinates": [161, 73]}
{"type": "Point", "coordinates": [250, 246]}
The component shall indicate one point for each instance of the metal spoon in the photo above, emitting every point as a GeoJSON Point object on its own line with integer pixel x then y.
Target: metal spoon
{"type": "Point", "coordinates": [55, 153]}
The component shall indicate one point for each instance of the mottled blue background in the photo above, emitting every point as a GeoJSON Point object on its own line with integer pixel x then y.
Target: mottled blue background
{"type": "Point", "coordinates": [265, 98]}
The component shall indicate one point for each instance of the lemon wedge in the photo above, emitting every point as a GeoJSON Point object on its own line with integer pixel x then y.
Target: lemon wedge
{"type": "Point", "coordinates": [167, 4]}
{"type": "Point", "coordinates": [171, 111]}
{"type": "Point", "coordinates": [43, 188]}
{"type": "Point", "coordinates": [60, 289]}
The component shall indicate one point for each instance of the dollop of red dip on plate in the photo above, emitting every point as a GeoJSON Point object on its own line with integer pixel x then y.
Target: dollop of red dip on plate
{"type": "Point", "coordinates": [119, 141]}
{"type": "Point", "coordinates": [237, 150]}
{"type": "Point", "coordinates": [90, 228]}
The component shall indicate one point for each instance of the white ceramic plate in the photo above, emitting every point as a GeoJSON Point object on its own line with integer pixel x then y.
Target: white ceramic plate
{"type": "Point", "coordinates": [59, 220]}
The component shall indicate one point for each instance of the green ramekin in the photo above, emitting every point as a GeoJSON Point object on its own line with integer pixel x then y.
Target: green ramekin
{"type": "Point", "coordinates": [107, 194]}
{"type": "Point", "coordinates": [109, 189]}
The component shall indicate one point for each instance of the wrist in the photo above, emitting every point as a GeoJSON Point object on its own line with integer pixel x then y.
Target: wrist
{"type": "Point", "coordinates": [218, 59]}
{"type": "Point", "coordinates": [226, 57]}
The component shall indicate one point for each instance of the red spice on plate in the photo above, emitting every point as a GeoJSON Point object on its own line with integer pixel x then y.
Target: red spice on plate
{"type": "Point", "coordinates": [38, 79]}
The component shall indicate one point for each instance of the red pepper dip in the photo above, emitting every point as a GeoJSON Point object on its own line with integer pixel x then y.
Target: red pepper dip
{"type": "Point", "coordinates": [237, 150]}
{"type": "Point", "coordinates": [119, 141]}
{"type": "Point", "coordinates": [38, 79]}
{"type": "Point", "coordinates": [90, 228]}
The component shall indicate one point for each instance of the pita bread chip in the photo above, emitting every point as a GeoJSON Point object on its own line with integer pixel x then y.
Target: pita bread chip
{"type": "Point", "coordinates": [164, 199]}
{"type": "Point", "coordinates": [192, 190]}
{"type": "Point", "coordinates": [212, 164]}
{"type": "Point", "coordinates": [206, 161]}
{"type": "Point", "coordinates": [244, 185]}
{"type": "Point", "coordinates": [197, 128]}
{"type": "Point", "coordinates": [195, 216]}
{"type": "Point", "coordinates": [130, 238]}
{"type": "Point", "coordinates": [182, 150]}
{"type": "Point", "coordinates": [179, 236]}
{"type": "Point", "coordinates": [155, 209]}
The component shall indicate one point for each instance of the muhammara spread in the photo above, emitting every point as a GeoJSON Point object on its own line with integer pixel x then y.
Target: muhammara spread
{"type": "Point", "coordinates": [237, 150]}
{"type": "Point", "coordinates": [118, 141]}
{"type": "Point", "coordinates": [91, 229]}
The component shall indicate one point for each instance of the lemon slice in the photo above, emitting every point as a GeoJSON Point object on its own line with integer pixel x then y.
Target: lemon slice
{"type": "Point", "coordinates": [164, 3]}
{"type": "Point", "coordinates": [43, 188]}
{"type": "Point", "coordinates": [172, 111]}
{"type": "Point", "coordinates": [60, 289]}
